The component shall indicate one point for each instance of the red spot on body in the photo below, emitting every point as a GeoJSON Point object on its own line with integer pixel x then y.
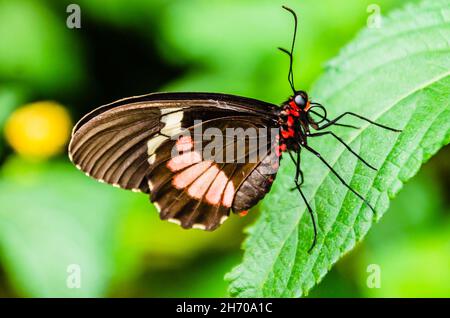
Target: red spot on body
{"type": "Point", "coordinates": [287, 133]}
{"type": "Point", "coordinates": [293, 105]}
{"type": "Point", "coordinates": [280, 149]}
{"type": "Point", "coordinates": [290, 121]}
{"type": "Point", "coordinates": [294, 110]}
{"type": "Point", "coordinates": [295, 113]}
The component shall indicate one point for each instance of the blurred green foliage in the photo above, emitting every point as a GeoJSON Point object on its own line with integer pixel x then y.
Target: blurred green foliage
{"type": "Point", "coordinates": [51, 215]}
{"type": "Point", "coordinates": [37, 49]}
{"type": "Point", "coordinates": [10, 97]}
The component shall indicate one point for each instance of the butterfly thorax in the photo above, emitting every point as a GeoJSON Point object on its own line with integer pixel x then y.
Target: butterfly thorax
{"type": "Point", "coordinates": [294, 125]}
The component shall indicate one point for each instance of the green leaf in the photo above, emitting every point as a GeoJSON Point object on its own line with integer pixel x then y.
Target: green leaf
{"type": "Point", "coordinates": [397, 75]}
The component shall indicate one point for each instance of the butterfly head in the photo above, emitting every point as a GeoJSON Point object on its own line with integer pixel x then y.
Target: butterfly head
{"type": "Point", "coordinates": [297, 116]}
{"type": "Point", "coordinates": [301, 110]}
{"type": "Point", "coordinates": [297, 103]}
{"type": "Point", "coordinates": [300, 99]}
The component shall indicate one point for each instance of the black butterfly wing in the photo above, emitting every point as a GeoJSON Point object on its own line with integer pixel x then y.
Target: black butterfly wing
{"type": "Point", "coordinates": [118, 144]}
{"type": "Point", "coordinates": [111, 146]}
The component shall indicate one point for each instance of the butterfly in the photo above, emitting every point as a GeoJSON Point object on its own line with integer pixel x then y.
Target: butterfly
{"type": "Point", "coordinates": [155, 144]}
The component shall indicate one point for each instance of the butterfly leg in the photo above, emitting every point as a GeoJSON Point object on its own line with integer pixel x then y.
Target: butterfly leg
{"type": "Point", "coordinates": [311, 214]}
{"type": "Point", "coordinates": [334, 121]}
{"type": "Point", "coordinates": [342, 142]}
{"type": "Point", "coordinates": [338, 176]}
{"type": "Point", "coordinates": [324, 118]}
{"type": "Point", "coordinates": [299, 173]}
{"type": "Point", "coordinates": [342, 125]}
{"type": "Point", "coordinates": [298, 169]}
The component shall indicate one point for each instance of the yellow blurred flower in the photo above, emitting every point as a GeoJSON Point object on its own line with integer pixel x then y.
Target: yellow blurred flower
{"type": "Point", "coordinates": [39, 130]}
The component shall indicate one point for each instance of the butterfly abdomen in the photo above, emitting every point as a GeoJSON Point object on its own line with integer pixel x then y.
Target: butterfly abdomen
{"type": "Point", "coordinates": [256, 185]}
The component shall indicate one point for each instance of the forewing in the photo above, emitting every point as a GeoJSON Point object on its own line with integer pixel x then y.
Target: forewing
{"type": "Point", "coordinates": [114, 142]}
{"type": "Point", "coordinates": [128, 144]}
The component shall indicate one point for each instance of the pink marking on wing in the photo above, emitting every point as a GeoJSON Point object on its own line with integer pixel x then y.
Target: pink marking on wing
{"type": "Point", "coordinates": [214, 193]}
{"type": "Point", "coordinates": [228, 196]}
{"type": "Point", "coordinates": [198, 188]}
{"type": "Point", "coordinates": [184, 143]}
{"type": "Point", "coordinates": [186, 177]}
{"type": "Point", "coordinates": [184, 160]}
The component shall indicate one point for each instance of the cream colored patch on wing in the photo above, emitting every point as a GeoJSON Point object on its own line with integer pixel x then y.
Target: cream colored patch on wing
{"type": "Point", "coordinates": [172, 220]}
{"type": "Point", "coordinates": [171, 117]}
{"type": "Point", "coordinates": [223, 219]}
{"type": "Point", "coordinates": [152, 158]}
{"type": "Point", "coordinates": [165, 111]}
{"type": "Point", "coordinates": [172, 130]}
{"type": "Point", "coordinates": [154, 143]}
{"type": "Point", "coordinates": [199, 226]}
{"type": "Point", "coordinates": [172, 121]}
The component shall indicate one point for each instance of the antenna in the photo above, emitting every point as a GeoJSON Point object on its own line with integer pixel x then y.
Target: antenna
{"type": "Point", "coordinates": [290, 53]}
